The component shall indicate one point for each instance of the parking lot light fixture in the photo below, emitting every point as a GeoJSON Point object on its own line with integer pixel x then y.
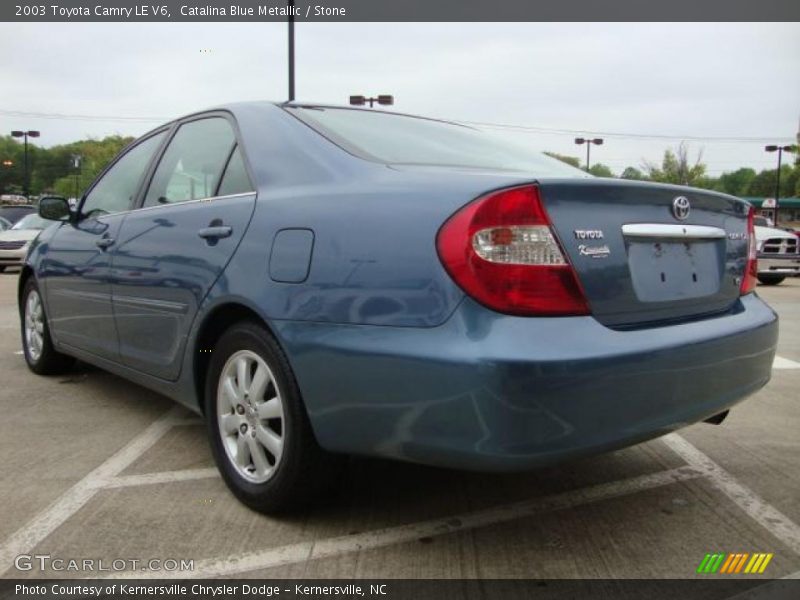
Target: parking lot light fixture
{"type": "Point", "coordinates": [780, 150]}
{"type": "Point", "coordinates": [26, 134]}
{"type": "Point", "coordinates": [381, 99]}
{"type": "Point", "coordinates": [588, 141]}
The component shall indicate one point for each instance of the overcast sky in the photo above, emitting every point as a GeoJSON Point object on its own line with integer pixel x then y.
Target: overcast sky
{"type": "Point", "coordinates": [702, 80]}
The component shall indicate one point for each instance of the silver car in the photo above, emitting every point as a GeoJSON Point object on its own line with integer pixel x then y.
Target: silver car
{"type": "Point", "coordinates": [14, 242]}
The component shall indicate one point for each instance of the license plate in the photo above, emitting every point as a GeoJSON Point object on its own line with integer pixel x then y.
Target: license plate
{"type": "Point", "coordinates": [664, 271]}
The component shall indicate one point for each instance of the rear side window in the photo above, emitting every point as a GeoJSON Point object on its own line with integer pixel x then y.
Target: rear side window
{"type": "Point", "coordinates": [235, 179]}
{"type": "Point", "coordinates": [192, 164]}
{"type": "Point", "coordinates": [116, 189]}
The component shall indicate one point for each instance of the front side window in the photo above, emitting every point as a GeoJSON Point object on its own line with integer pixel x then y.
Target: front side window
{"type": "Point", "coordinates": [116, 189]}
{"type": "Point", "coordinates": [193, 162]}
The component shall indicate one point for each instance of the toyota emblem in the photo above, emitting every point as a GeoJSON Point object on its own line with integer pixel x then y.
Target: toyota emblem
{"type": "Point", "coordinates": [681, 207]}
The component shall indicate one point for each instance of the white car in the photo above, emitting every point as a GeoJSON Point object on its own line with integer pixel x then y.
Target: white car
{"type": "Point", "coordinates": [14, 242]}
{"type": "Point", "coordinates": [778, 256]}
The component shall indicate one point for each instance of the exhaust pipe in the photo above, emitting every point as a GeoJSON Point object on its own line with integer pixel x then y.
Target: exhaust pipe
{"type": "Point", "coordinates": [718, 418]}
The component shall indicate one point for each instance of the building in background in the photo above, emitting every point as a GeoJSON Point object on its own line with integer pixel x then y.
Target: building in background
{"type": "Point", "coordinates": [790, 209]}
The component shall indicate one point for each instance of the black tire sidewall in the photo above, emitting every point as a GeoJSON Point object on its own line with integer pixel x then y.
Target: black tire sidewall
{"type": "Point", "coordinates": [272, 493]}
{"type": "Point", "coordinates": [39, 366]}
{"type": "Point", "coordinates": [770, 279]}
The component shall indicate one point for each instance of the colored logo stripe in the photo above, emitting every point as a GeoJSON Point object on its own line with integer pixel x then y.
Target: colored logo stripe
{"type": "Point", "coordinates": [734, 563]}
{"type": "Point", "coordinates": [758, 563]}
{"type": "Point", "coordinates": [711, 563]}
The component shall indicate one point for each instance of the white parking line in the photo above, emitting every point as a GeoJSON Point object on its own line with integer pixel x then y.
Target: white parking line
{"type": "Point", "coordinates": [766, 515]}
{"type": "Point", "coordinates": [162, 477]}
{"type": "Point", "coordinates": [312, 550]}
{"type": "Point", "coordinates": [26, 538]}
{"type": "Point", "coordinates": [785, 363]}
{"type": "Point", "coordinates": [106, 476]}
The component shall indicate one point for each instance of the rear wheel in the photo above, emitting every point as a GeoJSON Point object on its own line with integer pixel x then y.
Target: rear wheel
{"type": "Point", "coordinates": [37, 346]}
{"type": "Point", "coordinates": [2, 268]}
{"type": "Point", "coordinates": [260, 435]}
{"type": "Point", "coordinates": [770, 279]}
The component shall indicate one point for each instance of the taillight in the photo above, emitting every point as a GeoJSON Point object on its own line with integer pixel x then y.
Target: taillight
{"type": "Point", "coordinates": [751, 270]}
{"type": "Point", "coordinates": [502, 252]}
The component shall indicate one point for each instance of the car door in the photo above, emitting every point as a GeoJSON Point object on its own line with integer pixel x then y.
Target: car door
{"type": "Point", "coordinates": [172, 249]}
{"type": "Point", "coordinates": [76, 266]}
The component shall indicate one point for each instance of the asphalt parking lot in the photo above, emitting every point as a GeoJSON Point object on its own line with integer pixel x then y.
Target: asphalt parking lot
{"type": "Point", "coordinates": [95, 467]}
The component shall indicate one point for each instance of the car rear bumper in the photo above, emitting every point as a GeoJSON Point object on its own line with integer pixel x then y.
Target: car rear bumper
{"type": "Point", "coordinates": [491, 392]}
{"type": "Point", "coordinates": [778, 265]}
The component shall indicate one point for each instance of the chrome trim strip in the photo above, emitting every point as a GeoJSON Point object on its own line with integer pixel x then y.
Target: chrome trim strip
{"type": "Point", "coordinates": [664, 230]}
{"type": "Point", "coordinates": [91, 296]}
{"type": "Point", "coordinates": [132, 301]}
{"type": "Point", "coordinates": [196, 201]}
{"type": "Point", "coordinates": [151, 303]}
{"type": "Point", "coordinates": [183, 203]}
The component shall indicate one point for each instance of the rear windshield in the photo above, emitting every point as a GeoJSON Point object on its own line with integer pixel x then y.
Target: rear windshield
{"type": "Point", "coordinates": [405, 140]}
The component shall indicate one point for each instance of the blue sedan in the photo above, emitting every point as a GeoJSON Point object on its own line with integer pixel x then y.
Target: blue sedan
{"type": "Point", "coordinates": [320, 281]}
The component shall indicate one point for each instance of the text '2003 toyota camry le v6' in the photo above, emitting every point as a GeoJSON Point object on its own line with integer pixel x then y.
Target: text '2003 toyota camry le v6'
{"type": "Point", "coordinates": [321, 281]}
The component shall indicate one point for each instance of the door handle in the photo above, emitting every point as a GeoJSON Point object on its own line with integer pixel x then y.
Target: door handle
{"type": "Point", "coordinates": [215, 233]}
{"type": "Point", "coordinates": [105, 242]}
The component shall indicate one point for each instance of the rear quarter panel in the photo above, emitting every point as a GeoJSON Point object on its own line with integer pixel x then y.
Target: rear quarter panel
{"type": "Point", "coordinates": [374, 259]}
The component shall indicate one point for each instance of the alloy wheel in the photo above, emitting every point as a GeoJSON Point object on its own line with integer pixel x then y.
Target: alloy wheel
{"type": "Point", "coordinates": [34, 325]}
{"type": "Point", "coordinates": [250, 416]}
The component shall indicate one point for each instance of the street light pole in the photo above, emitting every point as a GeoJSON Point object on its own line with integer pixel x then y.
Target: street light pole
{"type": "Point", "coordinates": [25, 134]}
{"type": "Point", "coordinates": [780, 150]}
{"type": "Point", "coordinates": [291, 50]}
{"type": "Point", "coordinates": [76, 164]}
{"type": "Point", "coordinates": [588, 142]}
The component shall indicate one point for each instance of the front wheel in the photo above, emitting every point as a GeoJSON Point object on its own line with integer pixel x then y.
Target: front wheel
{"type": "Point", "coordinates": [37, 345]}
{"type": "Point", "coordinates": [259, 431]}
{"type": "Point", "coordinates": [770, 279]}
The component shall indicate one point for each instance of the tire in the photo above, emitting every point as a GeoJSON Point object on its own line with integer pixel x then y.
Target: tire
{"type": "Point", "coordinates": [2, 268]}
{"type": "Point", "coordinates": [770, 279]}
{"type": "Point", "coordinates": [37, 345]}
{"type": "Point", "coordinates": [260, 420]}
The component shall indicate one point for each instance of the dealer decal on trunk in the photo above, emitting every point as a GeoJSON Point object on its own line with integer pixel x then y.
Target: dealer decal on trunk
{"type": "Point", "coordinates": [594, 251]}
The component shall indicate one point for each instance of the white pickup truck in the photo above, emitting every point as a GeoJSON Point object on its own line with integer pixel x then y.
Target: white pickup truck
{"type": "Point", "coordinates": [778, 252]}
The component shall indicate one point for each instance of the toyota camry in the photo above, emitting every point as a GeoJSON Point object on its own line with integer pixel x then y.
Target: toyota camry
{"type": "Point", "coordinates": [319, 281]}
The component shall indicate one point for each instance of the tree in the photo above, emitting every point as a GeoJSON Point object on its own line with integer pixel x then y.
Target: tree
{"type": "Point", "coordinates": [633, 173]}
{"type": "Point", "coordinates": [763, 184]}
{"type": "Point", "coordinates": [51, 169]}
{"type": "Point", "coordinates": [676, 167]}
{"type": "Point", "coordinates": [570, 160]}
{"type": "Point", "coordinates": [10, 175]}
{"type": "Point", "coordinates": [736, 182]}
{"type": "Point", "coordinates": [600, 170]}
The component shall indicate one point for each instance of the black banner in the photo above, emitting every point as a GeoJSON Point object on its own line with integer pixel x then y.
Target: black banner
{"type": "Point", "coordinates": [716, 588]}
{"type": "Point", "coordinates": [399, 10]}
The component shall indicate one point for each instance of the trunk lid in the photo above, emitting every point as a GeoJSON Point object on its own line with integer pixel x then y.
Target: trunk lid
{"type": "Point", "coordinates": [638, 262]}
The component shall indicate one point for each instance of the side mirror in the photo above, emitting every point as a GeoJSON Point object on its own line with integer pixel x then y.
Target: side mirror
{"type": "Point", "coordinates": [54, 208]}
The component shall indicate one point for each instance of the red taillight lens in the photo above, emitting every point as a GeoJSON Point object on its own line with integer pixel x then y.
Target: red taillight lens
{"type": "Point", "coordinates": [751, 270]}
{"type": "Point", "coordinates": [502, 252]}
